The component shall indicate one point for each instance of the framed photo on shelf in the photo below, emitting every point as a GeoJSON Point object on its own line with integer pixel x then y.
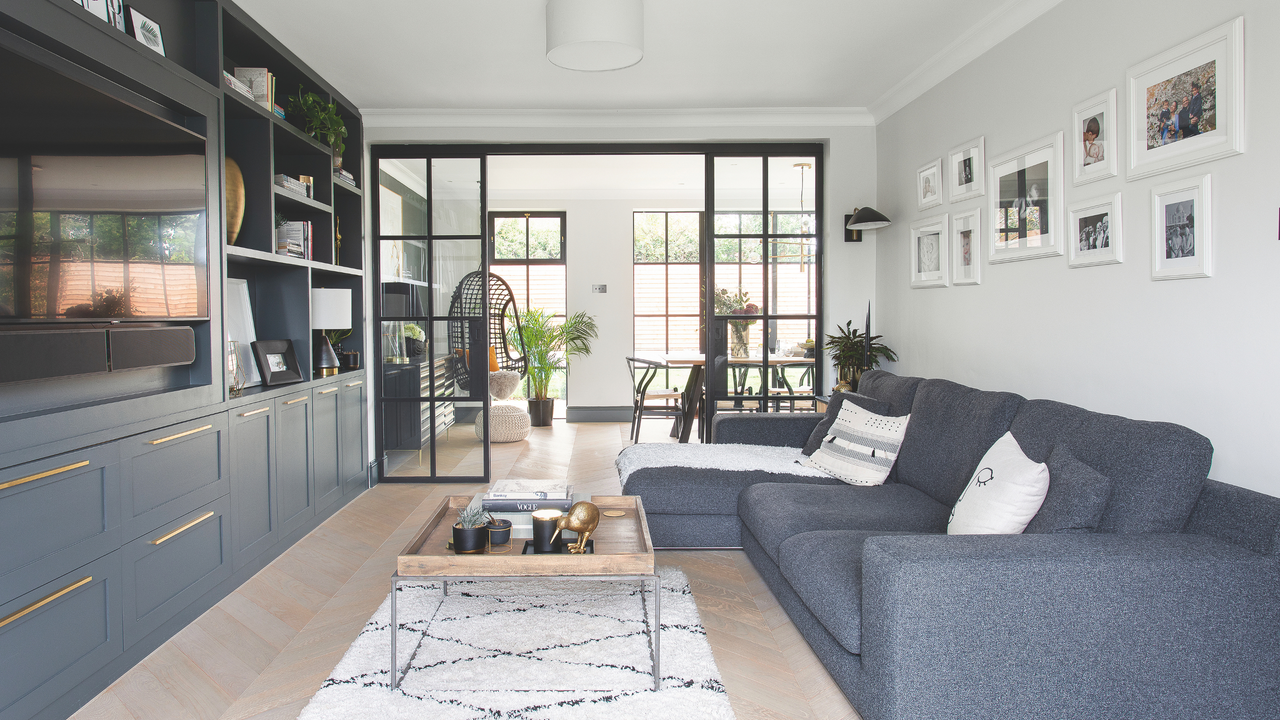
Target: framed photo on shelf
{"type": "Point", "coordinates": [1093, 127]}
{"type": "Point", "coordinates": [966, 248]}
{"type": "Point", "coordinates": [1182, 229]}
{"type": "Point", "coordinates": [1025, 202]}
{"type": "Point", "coordinates": [929, 252]}
{"type": "Point", "coordinates": [1186, 105]}
{"type": "Point", "coordinates": [143, 29]}
{"type": "Point", "coordinates": [929, 185]}
{"type": "Point", "coordinates": [239, 328]}
{"type": "Point", "coordinates": [965, 172]}
{"type": "Point", "coordinates": [1097, 228]}
{"type": "Point", "coordinates": [277, 362]}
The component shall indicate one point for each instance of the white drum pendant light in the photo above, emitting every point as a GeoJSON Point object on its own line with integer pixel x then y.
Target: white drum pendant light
{"type": "Point", "coordinates": [595, 35]}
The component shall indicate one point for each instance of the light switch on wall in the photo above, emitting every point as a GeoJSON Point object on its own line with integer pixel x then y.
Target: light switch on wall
{"type": "Point", "coordinates": [599, 288]}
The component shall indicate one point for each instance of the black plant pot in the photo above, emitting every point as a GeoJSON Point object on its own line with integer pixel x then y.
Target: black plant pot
{"type": "Point", "coordinates": [540, 412]}
{"type": "Point", "coordinates": [414, 348]}
{"type": "Point", "coordinates": [470, 540]}
{"type": "Point", "coordinates": [350, 359]}
{"type": "Point", "coordinates": [499, 532]}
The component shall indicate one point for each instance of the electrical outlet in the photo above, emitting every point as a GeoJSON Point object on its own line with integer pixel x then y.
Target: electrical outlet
{"type": "Point", "coordinates": [599, 288]}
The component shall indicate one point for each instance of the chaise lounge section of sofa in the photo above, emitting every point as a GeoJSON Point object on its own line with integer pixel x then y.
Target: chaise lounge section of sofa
{"type": "Point", "coordinates": [1141, 589]}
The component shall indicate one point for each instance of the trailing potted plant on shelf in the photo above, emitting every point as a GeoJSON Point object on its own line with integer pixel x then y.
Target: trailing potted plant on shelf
{"type": "Point", "coordinates": [847, 351]}
{"type": "Point", "coordinates": [321, 121]}
{"type": "Point", "coordinates": [471, 531]}
{"type": "Point", "coordinates": [548, 346]}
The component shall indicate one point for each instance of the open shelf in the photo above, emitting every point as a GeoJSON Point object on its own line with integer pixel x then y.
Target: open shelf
{"type": "Point", "coordinates": [286, 198]}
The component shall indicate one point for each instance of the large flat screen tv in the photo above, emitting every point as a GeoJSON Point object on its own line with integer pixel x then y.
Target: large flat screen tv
{"type": "Point", "coordinates": [103, 205]}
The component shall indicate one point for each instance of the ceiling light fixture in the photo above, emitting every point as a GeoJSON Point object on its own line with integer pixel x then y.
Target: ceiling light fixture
{"type": "Point", "coordinates": [595, 35]}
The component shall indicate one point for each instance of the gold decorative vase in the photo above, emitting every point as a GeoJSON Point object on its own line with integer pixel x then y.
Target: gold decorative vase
{"type": "Point", "coordinates": [235, 201]}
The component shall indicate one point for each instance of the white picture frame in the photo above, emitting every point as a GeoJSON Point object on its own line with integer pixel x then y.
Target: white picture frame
{"type": "Point", "coordinates": [1094, 139]}
{"type": "Point", "coordinates": [1024, 187]}
{"type": "Point", "coordinates": [143, 29]}
{"type": "Point", "coordinates": [1096, 228]}
{"type": "Point", "coordinates": [1182, 229]}
{"type": "Point", "coordinates": [929, 257]}
{"type": "Point", "coordinates": [239, 327]}
{"type": "Point", "coordinates": [966, 170]}
{"type": "Point", "coordinates": [966, 247]}
{"type": "Point", "coordinates": [1215, 62]}
{"type": "Point", "coordinates": [929, 185]}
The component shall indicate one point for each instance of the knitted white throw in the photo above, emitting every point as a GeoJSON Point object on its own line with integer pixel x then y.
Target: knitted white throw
{"type": "Point", "coordinates": [728, 456]}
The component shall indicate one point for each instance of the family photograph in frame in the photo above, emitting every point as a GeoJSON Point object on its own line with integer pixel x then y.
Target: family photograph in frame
{"type": "Point", "coordinates": [966, 248]}
{"type": "Point", "coordinates": [966, 166]}
{"type": "Point", "coordinates": [929, 185]}
{"type": "Point", "coordinates": [1182, 229]}
{"type": "Point", "coordinates": [1097, 232]}
{"type": "Point", "coordinates": [929, 257]}
{"type": "Point", "coordinates": [1186, 105]}
{"type": "Point", "coordinates": [1025, 202]}
{"type": "Point", "coordinates": [1093, 124]}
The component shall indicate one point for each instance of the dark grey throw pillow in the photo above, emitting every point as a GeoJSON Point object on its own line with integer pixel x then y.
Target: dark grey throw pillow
{"type": "Point", "coordinates": [869, 404]}
{"type": "Point", "coordinates": [1077, 497]}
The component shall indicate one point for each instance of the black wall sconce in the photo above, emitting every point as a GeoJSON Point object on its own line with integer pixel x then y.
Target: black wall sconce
{"type": "Point", "coordinates": [863, 219]}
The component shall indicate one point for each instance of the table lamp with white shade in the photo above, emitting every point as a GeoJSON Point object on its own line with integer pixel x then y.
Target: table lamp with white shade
{"type": "Point", "coordinates": [330, 310]}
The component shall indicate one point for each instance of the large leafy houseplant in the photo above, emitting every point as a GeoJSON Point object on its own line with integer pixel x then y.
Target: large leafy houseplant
{"type": "Point", "coordinates": [846, 349]}
{"type": "Point", "coordinates": [548, 344]}
{"type": "Point", "coordinates": [320, 120]}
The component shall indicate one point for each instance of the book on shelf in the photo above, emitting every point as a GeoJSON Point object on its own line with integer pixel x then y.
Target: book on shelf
{"type": "Point", "coordinates": [521, 489]}
{"type": "Point", "coordinates": [344, 176]}
{"type": "Point", "coordinates": [261, 83]}
{"type": "Point", "coordinates": [292, 184]}
{"type": "Point", "coordinates": [294, 239]}
{"type": "Point", "coordinates": [235, 84]}
{"type": "Point", "coordinates": [277, 110]}
{"type": "Point", "coordinates": [561, 504]}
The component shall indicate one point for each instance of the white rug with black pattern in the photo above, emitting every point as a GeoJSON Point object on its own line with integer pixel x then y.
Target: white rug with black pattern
{"type": "Point", "coordinates": [554, 649]}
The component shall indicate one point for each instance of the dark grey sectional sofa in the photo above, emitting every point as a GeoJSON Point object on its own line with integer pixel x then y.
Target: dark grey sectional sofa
{"type": "Point", "coordinates": [1163, 601]}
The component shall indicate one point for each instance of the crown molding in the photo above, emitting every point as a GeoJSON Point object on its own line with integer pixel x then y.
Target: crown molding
{"type": "Point", "coordinates": [635, 118]}
{"type": "Point", "coordinates": [993, 29]}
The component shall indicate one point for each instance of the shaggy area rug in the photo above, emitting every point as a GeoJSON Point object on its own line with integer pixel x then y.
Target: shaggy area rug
{"type": "Point", "coordinates": [554, 649]}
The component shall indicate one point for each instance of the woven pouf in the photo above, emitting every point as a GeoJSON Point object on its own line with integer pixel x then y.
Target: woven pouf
{"type": "Point", "coordinates": [507, 423]}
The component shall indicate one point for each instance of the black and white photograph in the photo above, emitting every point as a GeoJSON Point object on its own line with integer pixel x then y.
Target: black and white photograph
{"type": "Point", "coordinates": [966, 234]}
{"type": "Point", "coordinates": [1181, 229]}
{"type": "Point", "coordinates": [1186, 105]}
{"type": "Point", "coordinates": [929, 185]}
{"type": "Point", "coordinates": [1096, 229]}
{"type": "Point", "coordinates": [1093, 232]}
{"type": "Point", "coordinates": [929, 252]}
{"type": "Point", "coordinates": [1026, 202]}
{"type": "Point", "coordinates": [966, 162]}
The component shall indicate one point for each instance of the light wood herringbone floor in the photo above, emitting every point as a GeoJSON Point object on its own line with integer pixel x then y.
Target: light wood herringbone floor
{"type": "Point", "coordinates": [265, 649]}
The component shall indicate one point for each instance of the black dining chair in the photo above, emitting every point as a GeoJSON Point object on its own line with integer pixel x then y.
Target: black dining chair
{"type": "Point", "coordinates": [661, 402]}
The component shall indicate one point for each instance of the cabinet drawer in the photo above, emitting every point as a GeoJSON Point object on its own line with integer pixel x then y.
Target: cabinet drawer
{"type": "Point", "coordinates": [55, 636]}
{"type": "Point", "coordinates": [173, 565]}
{"type": "Point", "coordinates": [57, 514]}
{"type": "Point", "coordinates": [172, 471]}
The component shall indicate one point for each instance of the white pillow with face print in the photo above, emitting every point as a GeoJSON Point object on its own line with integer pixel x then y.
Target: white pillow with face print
{"type": "Point", "coordinates": [1004, 494]}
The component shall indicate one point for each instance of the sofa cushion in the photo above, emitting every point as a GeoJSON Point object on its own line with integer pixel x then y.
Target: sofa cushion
{"type": "Point", "coordinates": [1156, 469]}
{"type": "Point", "coordinates": [1077, 497]}
{"type": "Point", "coordinates": [879, 407]}
{"type": "Point", "coordinates": [1005, 492]}
{"type": "Point", "coordinates": [952, 426]}
{"type": "Point", "coordinates": [898, 391]}
{"type": "Point", "coordinates": [861, 446]}
{"type": "Point", "coordinates": [825, 569]}
{"type": "Point", "coordinates": [773, 512]}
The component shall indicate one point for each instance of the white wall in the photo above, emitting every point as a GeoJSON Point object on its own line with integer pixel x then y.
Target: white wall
{"type": "Point", "coordinates": [1199, 352]}
{"type": "Point", "coordinates": [603, 255]}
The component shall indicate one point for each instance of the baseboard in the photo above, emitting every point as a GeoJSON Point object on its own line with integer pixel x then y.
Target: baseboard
{"type": "Point", "coordinates": [599, 413]}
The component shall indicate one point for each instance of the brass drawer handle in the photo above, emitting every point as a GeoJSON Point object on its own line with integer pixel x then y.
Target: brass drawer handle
{"type": "Point", "coordinates": [353, 384]}
{"type": "Point", "coordinates": [169, 535]}
{"type": "Point", "coordinates": [296, 400]}
{"type": "Point", "coordinates": [181, 434]}
{"type": "Point", "coordinates": [326, 392]}
{"type": "Point", "coordinates": [255, 412]}
{"type": "Point", "coordinates": [45, 474]}
{"type": "Point", "coordinates": [45, 600]}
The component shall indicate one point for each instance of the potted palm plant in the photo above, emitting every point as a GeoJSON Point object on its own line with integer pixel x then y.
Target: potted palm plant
{"type": "Point", "coordinates": [851, 358]}
{"type": "Point", "coordinates": [548, 345]}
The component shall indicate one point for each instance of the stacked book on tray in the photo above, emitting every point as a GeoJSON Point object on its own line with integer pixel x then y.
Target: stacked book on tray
{"type": "Point", "coordinates": [516, 499]}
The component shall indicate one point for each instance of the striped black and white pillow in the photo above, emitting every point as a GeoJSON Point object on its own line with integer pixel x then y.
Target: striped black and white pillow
{"type": "Point", "coordinates": [861, 446]}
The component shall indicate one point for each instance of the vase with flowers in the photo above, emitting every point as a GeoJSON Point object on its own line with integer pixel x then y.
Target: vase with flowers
{"type": "Point", "coordinates": [738, 302]}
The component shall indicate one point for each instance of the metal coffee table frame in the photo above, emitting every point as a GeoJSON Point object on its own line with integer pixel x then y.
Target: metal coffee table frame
{"type": "Point", "coordinates": [653, 630]}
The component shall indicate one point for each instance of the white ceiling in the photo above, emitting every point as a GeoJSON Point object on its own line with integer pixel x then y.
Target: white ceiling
{"type": "Point", "coordinates": [490, 55]}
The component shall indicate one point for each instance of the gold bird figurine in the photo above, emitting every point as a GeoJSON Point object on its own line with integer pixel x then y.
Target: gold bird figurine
{"type": "Point", "coordinates": [583, 518]}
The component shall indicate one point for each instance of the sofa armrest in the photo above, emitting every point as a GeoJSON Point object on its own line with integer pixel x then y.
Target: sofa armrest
{"type": "Point", "coordinates": [1052, 626]}
{"type": "Point", "coordinates": [779, 429]}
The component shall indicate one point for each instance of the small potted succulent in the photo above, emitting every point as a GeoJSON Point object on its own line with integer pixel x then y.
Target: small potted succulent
{"type": "Point", "coordinates": [499, 531]}
{"type": "Point", "coordinates": [471, 532]}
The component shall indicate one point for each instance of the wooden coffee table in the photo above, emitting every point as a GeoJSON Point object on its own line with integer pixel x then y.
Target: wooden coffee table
{"type": "Point", "coordinates": [623, 551]}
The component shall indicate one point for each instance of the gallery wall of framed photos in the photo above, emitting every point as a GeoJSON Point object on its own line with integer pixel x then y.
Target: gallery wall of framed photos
{"type": "Point", "coordinates": [1107, 195]}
